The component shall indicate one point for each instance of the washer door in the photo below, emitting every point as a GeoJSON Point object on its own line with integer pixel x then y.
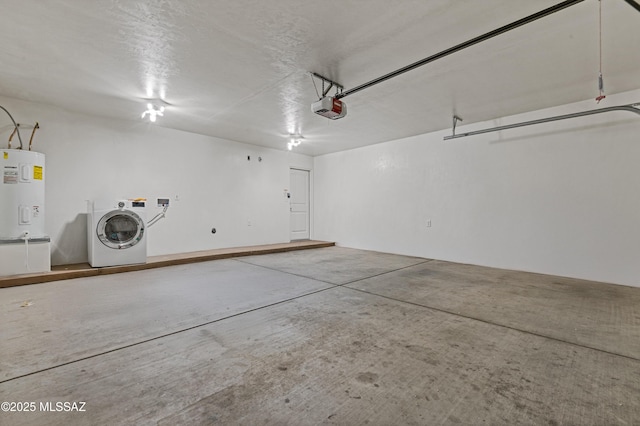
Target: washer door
{"type": "Point", "coordinates": [120, 229]}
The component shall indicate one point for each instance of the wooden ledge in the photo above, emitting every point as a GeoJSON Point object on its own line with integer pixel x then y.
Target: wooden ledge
{"type": "Point", "coordinates": [81, 270]}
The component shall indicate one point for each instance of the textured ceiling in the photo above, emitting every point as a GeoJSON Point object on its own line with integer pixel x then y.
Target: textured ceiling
{"type": "Point", "coordinates": [240, 69]}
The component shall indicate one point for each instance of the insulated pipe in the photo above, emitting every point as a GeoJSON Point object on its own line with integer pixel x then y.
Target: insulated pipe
{"type": "Point", "coordinates": [553, 9]}
{"type": "Point", "coordinates": [629, 108]}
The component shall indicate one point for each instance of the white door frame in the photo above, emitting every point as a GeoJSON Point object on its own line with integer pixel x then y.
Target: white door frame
{"type": "Point", "coordinates": [309, 194]}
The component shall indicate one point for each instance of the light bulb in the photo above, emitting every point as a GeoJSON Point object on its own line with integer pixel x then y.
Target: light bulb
{"type": "Point", "coordinates": [153, 112]}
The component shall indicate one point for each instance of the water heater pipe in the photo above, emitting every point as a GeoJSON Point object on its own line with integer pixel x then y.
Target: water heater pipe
{"type": "Point", "coordinates": [15, 125]}
{"type": "Point", "coordinates": [633, 4]}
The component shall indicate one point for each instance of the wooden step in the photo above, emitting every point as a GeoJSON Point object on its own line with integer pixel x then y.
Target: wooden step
{"type": "Point", "coordinates": [80, 270]}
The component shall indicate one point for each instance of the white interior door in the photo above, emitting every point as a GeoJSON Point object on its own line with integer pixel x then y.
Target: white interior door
{"type": "Point", "coordinates": [299, 204]}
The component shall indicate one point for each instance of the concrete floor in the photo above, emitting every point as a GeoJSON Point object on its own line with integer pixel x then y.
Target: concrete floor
{"type": "Point", "coordinates": [323, 336]}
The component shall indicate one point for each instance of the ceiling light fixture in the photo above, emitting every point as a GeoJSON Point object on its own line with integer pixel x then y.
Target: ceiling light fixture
{"type": "Point", "coordinates": [296, 140]}
{"type": "Point", "coordinates": [154, 111]}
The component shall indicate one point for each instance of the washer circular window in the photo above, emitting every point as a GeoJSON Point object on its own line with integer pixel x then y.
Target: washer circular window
{"type": "Point", "coordinates": [120, 229]}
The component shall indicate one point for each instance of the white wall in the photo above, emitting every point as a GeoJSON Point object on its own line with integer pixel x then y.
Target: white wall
{"type": "Point", "coordinates": [89, 157]}
{"type": "Point", "coordinates": [559, 198]}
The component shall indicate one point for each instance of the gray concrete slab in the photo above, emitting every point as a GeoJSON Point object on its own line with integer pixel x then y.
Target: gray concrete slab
{"type": "Point", "coordinates": [44, 325]}
{"type": "Point", "coordinates": [335, 265]}
{"type": "Point", "coordinates": [341, 357]}
{"type": "Point", "coordinates": [597, 315]}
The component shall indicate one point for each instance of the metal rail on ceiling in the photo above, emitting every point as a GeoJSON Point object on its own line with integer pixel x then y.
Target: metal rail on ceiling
{"type": "Point", "coordinates": [526, 20]}
{"type": "Point", "coordinates": [629, 107]}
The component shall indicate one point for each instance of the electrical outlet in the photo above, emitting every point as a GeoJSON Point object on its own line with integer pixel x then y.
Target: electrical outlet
{"type": "Point", "coordinates": [429, 223]}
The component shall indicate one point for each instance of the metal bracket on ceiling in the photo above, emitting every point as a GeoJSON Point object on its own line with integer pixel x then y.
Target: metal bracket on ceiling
{"type": "Point", "coordinates": [455, 121]}
{"type": "Point", "coordinates": [331, 84]}
{"type": "Point", "coordinates": [629, 108]}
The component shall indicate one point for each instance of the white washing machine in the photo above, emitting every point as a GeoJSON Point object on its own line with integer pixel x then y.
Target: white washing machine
{"type": "Point", "coordinates": [117, 233]}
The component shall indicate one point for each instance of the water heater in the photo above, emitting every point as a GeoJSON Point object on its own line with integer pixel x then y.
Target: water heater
{"type": "Point", "coordinates": [24, 244]}
{"type": "Point", "coordinates": [21, 194]}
